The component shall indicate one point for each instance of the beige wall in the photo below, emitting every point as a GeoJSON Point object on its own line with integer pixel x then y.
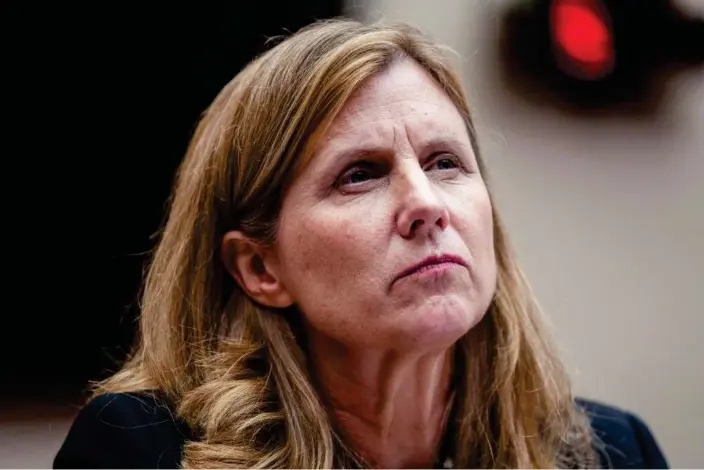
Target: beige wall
{"type": "Point", "coordinates": [608, 219]}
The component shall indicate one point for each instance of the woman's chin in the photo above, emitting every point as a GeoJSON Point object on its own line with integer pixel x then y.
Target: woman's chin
{"type": "Point", "coordinates": [438, 324]}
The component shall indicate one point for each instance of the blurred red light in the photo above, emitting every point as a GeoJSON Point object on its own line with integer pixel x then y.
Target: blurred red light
{"type": "Point", "coordinates": [581, 32]}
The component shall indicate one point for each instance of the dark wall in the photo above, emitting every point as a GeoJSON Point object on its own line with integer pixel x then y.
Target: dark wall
{"type": "Point", "coordinates": [99, 105]}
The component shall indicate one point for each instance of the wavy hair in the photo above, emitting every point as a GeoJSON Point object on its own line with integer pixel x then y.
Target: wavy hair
{"type": "Point", "coordinates": [236, 371]}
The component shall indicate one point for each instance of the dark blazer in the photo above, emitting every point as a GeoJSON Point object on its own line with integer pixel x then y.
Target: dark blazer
{"type": "Point", "coordinates": [137, 431]}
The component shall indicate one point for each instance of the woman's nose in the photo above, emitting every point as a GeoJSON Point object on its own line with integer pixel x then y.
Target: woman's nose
{"type": "Point", "coordinates": [421, 210]}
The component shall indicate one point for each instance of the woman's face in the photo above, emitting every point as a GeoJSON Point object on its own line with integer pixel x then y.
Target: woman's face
{"type": "Point", "coordinates": [393, 182]}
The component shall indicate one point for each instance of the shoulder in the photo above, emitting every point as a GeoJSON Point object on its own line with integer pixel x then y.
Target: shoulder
{"type": "Point", "coordinates": [623, 440]}
{"type": "Point", "coordinates": [123, 430]}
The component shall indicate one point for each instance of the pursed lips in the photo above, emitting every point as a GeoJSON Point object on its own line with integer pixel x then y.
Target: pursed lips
{"type": "Point", "coordinates": [432, 261]}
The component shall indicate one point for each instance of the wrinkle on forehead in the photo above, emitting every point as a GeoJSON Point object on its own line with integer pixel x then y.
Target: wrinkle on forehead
{"type": "Point", "coordinates": [403, 100]}
{"type": "Point", "coordinates": [375, 90]}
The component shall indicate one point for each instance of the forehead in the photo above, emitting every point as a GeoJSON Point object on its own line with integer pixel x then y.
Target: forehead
{"type": "Point", "coordinates": [406, 94]}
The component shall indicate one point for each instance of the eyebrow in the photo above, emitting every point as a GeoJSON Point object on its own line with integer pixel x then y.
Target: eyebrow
{"type": "Point", "coordinates": [359, 153]}
{"type": "Point", "coordinates": [446, 140]}
{"type": "Point", "coordinates": [356, 154]}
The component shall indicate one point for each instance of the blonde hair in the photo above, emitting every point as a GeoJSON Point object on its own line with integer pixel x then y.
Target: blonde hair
{"type": "Point", "coordinates": [234, 370]}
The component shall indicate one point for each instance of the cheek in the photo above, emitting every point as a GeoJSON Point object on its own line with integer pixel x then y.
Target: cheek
{"type": "Point", "coordinates": [473, 218]}
{"type": "Point", "coordinates": [331, 269]}
{"type": "Point", "coordinates": [475, 224]}
{"type": "Point", "coordinates": [486, 235]}
{"type": "Point", "coordinates": [325, 254]}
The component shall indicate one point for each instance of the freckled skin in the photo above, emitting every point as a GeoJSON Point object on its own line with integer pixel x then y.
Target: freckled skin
{"type": "Point", "coordinates": [347, 231]}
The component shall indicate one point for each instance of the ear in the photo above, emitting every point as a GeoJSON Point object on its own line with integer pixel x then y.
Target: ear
{"type": "Point", "coordinates": [255, 269]}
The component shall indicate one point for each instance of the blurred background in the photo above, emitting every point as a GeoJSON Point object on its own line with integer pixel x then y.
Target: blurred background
{"type": "Point", "coordinates": [590, 115]}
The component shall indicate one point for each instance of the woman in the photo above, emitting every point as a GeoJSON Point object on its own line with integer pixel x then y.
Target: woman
{"type": "Point", "coordinates": [333, 287]}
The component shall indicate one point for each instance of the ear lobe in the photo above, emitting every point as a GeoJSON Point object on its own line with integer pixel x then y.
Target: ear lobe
{"type": "Point", "coordinates": [255, 269]}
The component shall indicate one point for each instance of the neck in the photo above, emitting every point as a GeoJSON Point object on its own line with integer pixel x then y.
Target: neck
{"type": "Point", "coordinates": [389, 406]}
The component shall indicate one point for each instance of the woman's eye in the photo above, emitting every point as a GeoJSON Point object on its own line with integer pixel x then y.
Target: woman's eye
{"type": "Point", "coordinates": [446, 163]}
{"type": "Point", "coordinates": [364, 172]}
{"type": "Point", "coordinates": [357, 175]}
